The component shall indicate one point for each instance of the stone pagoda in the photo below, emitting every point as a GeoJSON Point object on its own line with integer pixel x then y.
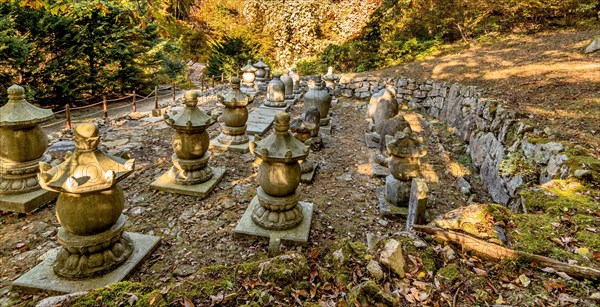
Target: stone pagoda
{"type": "Point", "coordinates": [306, 130]}
{"type": "Point", "coordinates": [275, 212]}
{"type": "Point", "coordinates": [248, 76]}
{"type": "Point", "coordinates": [22, 146]}
{"type": "Point", "coordinates": [405, 149]}
{"type": "Point", "coordinates": [190, 173]}
{"type": "Point", "coordinates": [95, 250]}
{"type": "Point", "coordinates": [235, 114]}
{"type": "Point", "coordinates": [276, 93]}
{"type": "Point", "coordinates": [296, 79]}
{"type": "Point", "coordinates": [330, 80]}
{"type": "Point", "coordinates": [288, 82]}
{"type": "Point", "coordinates": [320, 99]}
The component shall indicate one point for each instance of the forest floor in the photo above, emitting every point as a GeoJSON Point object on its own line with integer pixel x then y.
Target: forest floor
{"type": "Point", "coordinates": [200, 262]}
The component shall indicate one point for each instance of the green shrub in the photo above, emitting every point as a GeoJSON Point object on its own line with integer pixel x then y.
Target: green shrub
{"type": "Point", "coordinates": [229, 55]}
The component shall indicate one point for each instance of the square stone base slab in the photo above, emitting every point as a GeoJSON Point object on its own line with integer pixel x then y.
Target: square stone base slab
{"type": "Point", "coordinates": [389, 210]}
{"type": "Point", "coordinates": [241, 148]}
{"type": "Point", "coordinates": [298, 235]}
{"type": "Point", "coordinates": [310, 176]}
{"type": "Point", "coordinates": [326, 129]}
{"type": "Point", "coordinates": [276, 110]}
{"type": "Point", "coordinates": [42, 276]}
{"type": "Point", "coordinates": [27, 202]}
{"type": "Point", "coordinates": [164, 183]}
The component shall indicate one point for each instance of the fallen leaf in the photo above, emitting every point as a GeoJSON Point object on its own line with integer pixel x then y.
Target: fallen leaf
{"type": "Point", "coordinates": [188, 303]}
{"type": "Point", "coordinates": [549, 270]}
{"type": "Point", "coordinates": [525, 281]}
{"type": "Point", "coordinates": [564, 276]}
{"type": "Point", "coordinates": [480, 272]}
{"type": "Point", "coordinates": [551, 285]}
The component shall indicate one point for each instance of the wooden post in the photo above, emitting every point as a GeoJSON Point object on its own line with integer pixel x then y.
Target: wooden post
{"type": "Point", "coordinates": [134, 105]}
{"type": "Point", "coordinates": [173, 90]}
{"type": "Point", "coordinates": [222, 78]}
{"type": "Point", "coordinates": [212, 79]}
{"type": "Point", "coordinates": [202, 83]}
{"type": "Point", "coordinates": [156, 97]}
{"type": "Point", "coordinates": [105, 107]}
{"type": "Point", "coordinates": [68, 115]}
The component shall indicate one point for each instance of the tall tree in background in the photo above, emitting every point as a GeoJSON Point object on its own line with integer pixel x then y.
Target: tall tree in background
{"type": "Point", "coordinates": [82, 50]}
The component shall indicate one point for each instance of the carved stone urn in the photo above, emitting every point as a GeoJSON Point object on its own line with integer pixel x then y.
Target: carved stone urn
{"type": "Point", "coordinates": [248, 76]}
{"type": "Point", "coordinates": [89, 208]}
{"type": "Point", "coordinates": [288, 82]}
{"type": "Point", "coordinates": [330, 80]}
{"type": "Point", "coordinates": [235, 114]}
{"type": "Point", "coordinates": [22, 146]}
{"type": "Point", "coordinates": [405, 149]}
{"type": "Point", "coordinates": [261, 73]}
{"type": "Point", "coordinates": [275, 93]}
{"type": "Point", "coordinates": [190, 173]}
{"type": "Point", "coordinates": [296, 79]}
{"type": "Point", "coordinates": [320, 99]}
{"type": "Point", "coordinates": [279, 177]}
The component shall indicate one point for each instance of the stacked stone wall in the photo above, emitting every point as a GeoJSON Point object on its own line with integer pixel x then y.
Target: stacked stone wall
{"type": "Point", "coordinates": [495, 134]}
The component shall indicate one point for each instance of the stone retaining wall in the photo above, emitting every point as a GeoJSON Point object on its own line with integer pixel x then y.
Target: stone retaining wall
{"type": "Point", "coordinates": [496, 135]}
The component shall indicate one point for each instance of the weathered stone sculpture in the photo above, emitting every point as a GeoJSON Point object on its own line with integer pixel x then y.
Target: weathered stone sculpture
{"type": "Point", "coordinates": [296, 79]}
{"type": "Point", "coordinates": [89, 210]}
{"type": "Point", "coordinates": [405, 150]}
{"type": "Point", "coordinates": [320, 99]}
{"type": "Point", "coordinates": [330, 80]}
{"type": "Point", "coordinates": [235, 114]}
{"type": "Point", "coordinates": [276, 212]}
{"type": "Point", "coordinates": [190, 174]}
{"type": "Point", "coordinates": [306, 129]}
{"type": "Point", "coordinates": [276, 93]}
{"type": "Point", "coordinates": [22, 146]}
{"type": "Point", "coordinates": [382, 107]}
{"type": "Point", "coordinates": [288, 82]}
{"type": "Point", "coordinates": [248, 76]}
{"type": "Point", "coordinates": [261, 73]}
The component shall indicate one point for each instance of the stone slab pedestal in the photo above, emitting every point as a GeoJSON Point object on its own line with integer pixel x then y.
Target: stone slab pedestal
{"type": "Point", "coordinates": [308, 177]}
{"type": "Point", "coordinates": [326, 129]}
{"type": "Point", "coordinates": [291, 102]}
{"type": "Point", "coordinates": [42, 276]}
{"type": "Point", "coordinates": [27, 202]}
{"type": "Point", "coordinates": [241, 148]}
{"type": "Point", "coordinates": [261, 119]}
{"type": "Point", "coordinates": [417, 203]}
{"type": "Point", "coordinates": [297, 235]}
{"type": "Point", "coordinates": [165, 184]}
{"type": "Point", "coordinates": [386, 209]}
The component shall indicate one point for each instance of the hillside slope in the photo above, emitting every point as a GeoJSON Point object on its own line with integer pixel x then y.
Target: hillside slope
{"type": "Point", "coordinates": [546, 76]}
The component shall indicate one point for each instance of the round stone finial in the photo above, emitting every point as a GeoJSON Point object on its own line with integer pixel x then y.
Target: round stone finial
{"type": "Point", "coordinates": [286, 71]}
{"type": "Point", "coordinates": [294, 69]}
{"type": "Point", "coordinates": [15, 92]}
{"type": "Point", "coordinates": [235, 82]}
{"type": "Point", "coordinates": [276, 75]}
{"type": "Point", "coordinates": [282, 122]}
{"type": "Point", "coordinates": [86, 131]}
{"type": "Point", "coordinates": [190, 98]}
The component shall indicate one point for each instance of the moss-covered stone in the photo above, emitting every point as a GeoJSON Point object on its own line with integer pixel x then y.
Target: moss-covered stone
{"type": "Point", "coordinates": [559, 195]}
{"type": "Point", "coordinates": [370, 294]}
{"type": "Point", "coordinates": [122, 293]}
{"type": "Point", "coordinates": [450, 272]}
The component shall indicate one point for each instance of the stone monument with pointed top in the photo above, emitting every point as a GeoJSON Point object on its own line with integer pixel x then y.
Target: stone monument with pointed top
{"type": "Point", "coordinates": [276, 212]}
{"type": "Point", "coordinates": [23, 145]}
{"type": "Point", "coordinates": [235, 114]}
{"type": "Point", "coordinates": [95, 250]}
{"type": "Point", "coordinates": [190, 173]}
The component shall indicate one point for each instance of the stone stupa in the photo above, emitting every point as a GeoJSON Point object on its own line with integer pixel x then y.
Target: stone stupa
{"type": "Point", "coordinates": [276, 212]}
{"type": "Point", "coordinates": [190, 173]}
{"type": "Point", "coordinates": [95, 250]}
{"type": "Point", "coordinates": [23, 145]}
